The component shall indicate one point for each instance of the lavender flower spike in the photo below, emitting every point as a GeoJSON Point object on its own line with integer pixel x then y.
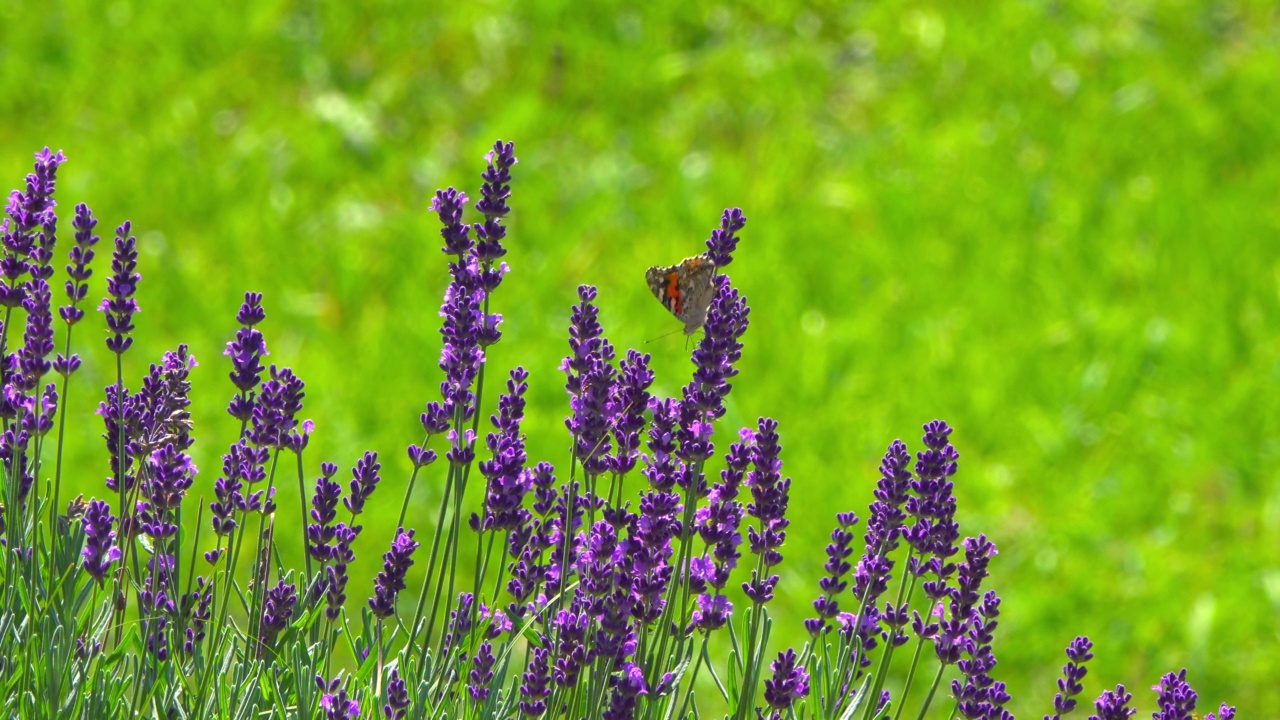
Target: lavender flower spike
{"type": "Point", "coordinates": [34, 222]}
{"type": "Point", "coordinates": [718, 350]}
{"type": "Point", "coordinates": [769, 494]}
{"type": "Point", "coordinates": [1113, 705]}
{"type": "Point", "coordinates": [790, 681]}
{"type": "Point", "coordinates": [246, 353]}
{"type": "Point", "coordinates": [99, 548]}
{"type": "Point", "coordinates": [364, 481]}
{"type": "Point", "coordinates": [724, 239]}
{"type": "Point", "coordinates": [1176, 698]}
{"type": "Point", "coordinates": [78, 274]}
{"type": "Point", "coordinates": [395, 563]}
{"type": "Point", "coordinates": [493, 205]}
{"type": "Point", "coordinates": [119, 304]}
{"type": "Point", "coordinates": [397, 697]}
{"type": "Point", "coordinates": [281, 602]}
{"type": "Point", "coordinates": [1072, 673]}
{"type": "Point", "coordinates": [335, 702]}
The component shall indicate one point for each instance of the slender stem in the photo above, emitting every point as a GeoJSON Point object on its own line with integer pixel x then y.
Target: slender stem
{"type": "Point", "coordinates": [57, 472]}
{"type": "Point", "coordinates": [302, 500]}
{"type": "Point", "coordinates": [932, 689]}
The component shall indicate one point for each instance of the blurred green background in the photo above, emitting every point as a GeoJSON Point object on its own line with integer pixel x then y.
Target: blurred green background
{"type": "Point", "coordinates": [1053, 224]}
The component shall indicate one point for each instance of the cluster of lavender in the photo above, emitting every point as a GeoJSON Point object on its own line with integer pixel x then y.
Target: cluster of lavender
{"type": "Point", "coordinates": [576, 603]}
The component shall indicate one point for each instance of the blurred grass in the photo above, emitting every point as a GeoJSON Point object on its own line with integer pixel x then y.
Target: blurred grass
{"type": "Point", "coordinates": [1052, 224]}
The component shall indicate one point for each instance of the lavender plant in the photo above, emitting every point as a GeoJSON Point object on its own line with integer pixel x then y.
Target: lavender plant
{"type": "Point", "coordinates": [588, 589]}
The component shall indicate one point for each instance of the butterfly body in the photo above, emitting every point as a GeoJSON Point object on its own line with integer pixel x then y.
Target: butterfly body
{"type": "Point", "coordinates": [685, 290]}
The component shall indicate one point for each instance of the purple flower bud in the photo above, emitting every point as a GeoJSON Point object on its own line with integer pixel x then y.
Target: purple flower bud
{"type": "Point", "coordinates": [572, 652]}
{"type": "Point", "coordinates": [33, 232]}
{"type": "Point", "coordinates": [626, 409]}
{"type": "Point", "coordinates": [448, 205]}
{"type": "Point", "coordinates": [324, 510]}
{"type": "Point", "coordinates": [99, 548]}
{"type": "Point", "coordinates": [712, 612]}
{"type": "Point", "coordinates": [769, 494]}
{"type": "Point", "coordinates": [505, 480]}
{"type": "Point", "coordinates": [1072, 673]}
{"type": "Point", "coordinates": [790, 681]}
{"type": "Point", "coordinates": [78, 274]}
{"type": "Point", "coordinates": [493, 202]}
{"type": "Point", "coordinates": [629, 685]}
{"type": "Point", "coordinates": [590, 379]}
{"type": "Point", "coordinates": [724, 239]}
{"type": "Point", "coordinates": [397, 697]}
{"type": "Point", "coordinates": [364, 481]}
{"type": "Point", "coordinates": [1113, 705]}
{"type": "Point", "coordinates": [389, 582]}
{"type": "Point", "coordinates": [837, 566]}
{"type": "Point", "coordinates": [119, 304]}
{"type": "Point", "coordinates": [536, 685]}
{"type": "Point", "coordinates": [481, 673]}
{"type": "Point", "coordinates": [335, 703]}
{"type": "Point", "coordinates": [336, 573]}
{"type": "Point", "coordinates": [280, 604]}
{"type": "Point", "coordinates": [1225, 712]}
{"type": "Point", "coordinates": [275, 414]}
{"type": "Point", "coordinates": [1176, 699]}
{"type": "Point", "coordinates": [197, 606]}
{"type": "Point", "coordinates": [246, 353]}
{"type": "Point", "coordinates": [718, 350]}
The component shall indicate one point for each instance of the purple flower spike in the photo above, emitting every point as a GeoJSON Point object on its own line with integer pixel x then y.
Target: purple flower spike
{"type": "Point", "coordinates": [790, 681]}
{"type": "Point", "coordinates": [536, 685]}
{"type": "Point", "coordinates": [448, 205]}
{"type": "Point", "coordinates": [324, 510]}
{"type": "Point", "coordinates": [622, 698]}
{"type": "Point", "coordinates": [246, 353]}
{"type": "Point", "coordinates": [481, 673]}
{"type": "Point", "coordinates": [934, 534]}
{"type": "Point", "coordinates": [275, 414]}
{"type": "Point", "coordinates": [979, 696]}
{"type": "Point", "coordinates": [724, 239]}
{"type": "Point", "coordinates": [33, 231]}
{"type": "Point", "coordinates": [1225, 712]}
{"type": "Point", "coordinates": [718, 350]}
{"type": "Point", "coordinates": [99, 547]}
{"type": "Point", "coordinates": [197, 605]}
{"type": "Point", "coordinates": [711, 612]}
{"type": "Point", "coordinates": [389, 583]}
{"type": "Point", "coordinates": [78, 274]}
{"type": "Point", "coordinates": [364, 481]}
{"type": "Point", "coordinates": [770, 495]}
{"type": "Point", "coordinates": [462, 354]}
{"type": "Point", "coordinates": [837, 566]}
{"type": "Point", "coordinates": [335, 703]}
{"type": "Point", "coordinates": [336, 573]}
{"type": "Point", "coordinates": [589, 380]}
{"type": "Point", "coordinates": [662, 465]}
{"type": "Point", "coordinates": [1113, 705]}
{"type": "Point", "coordinates": [281, 602]}
{"type": "Point", "coordinates": [493, 205]}
{"type": "Point", "coordinates": [506, 481]}
{"type": "Point", "coordinates": [1072, 673]}
{"type": "Point", "coordinates": [119, 304]}
{"type": "Point", "coordinates": [626, 407]}
{"type": "Point", "coordinates": [1175, 697]}
{"type": "Point", "coordinates": [397, 697]}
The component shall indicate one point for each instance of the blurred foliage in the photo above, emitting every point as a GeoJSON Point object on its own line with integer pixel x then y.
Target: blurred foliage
{"type": "Point", "coordinates": [1053, 224]}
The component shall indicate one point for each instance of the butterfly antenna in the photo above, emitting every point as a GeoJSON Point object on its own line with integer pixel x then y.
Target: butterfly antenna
{"type": "Point", "coordinates": [673, 332]}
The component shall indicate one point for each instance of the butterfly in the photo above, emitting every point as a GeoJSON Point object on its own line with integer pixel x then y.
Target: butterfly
{"type": "Point", "coordinates": [685, 289]}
